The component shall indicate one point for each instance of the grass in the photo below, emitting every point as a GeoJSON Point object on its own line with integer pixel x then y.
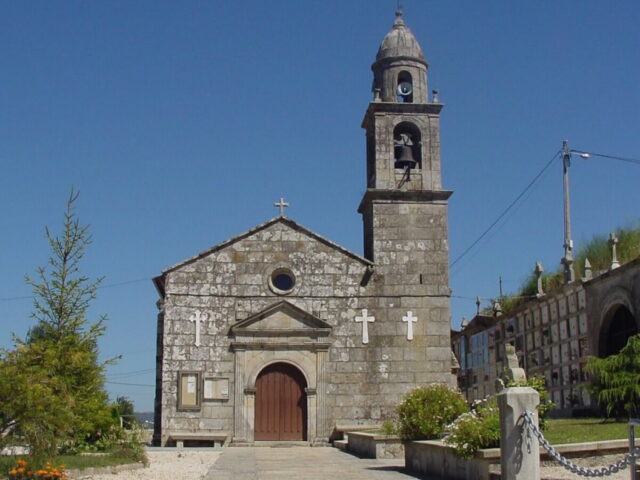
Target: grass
{"type": "Point", "coordinates": [577, 430]}
{"type": "Point", "coordinates": [71, 462]}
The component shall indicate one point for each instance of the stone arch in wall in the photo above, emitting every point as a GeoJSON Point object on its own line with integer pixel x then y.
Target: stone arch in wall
{"type": "Point", "coordinates": [618, 325]}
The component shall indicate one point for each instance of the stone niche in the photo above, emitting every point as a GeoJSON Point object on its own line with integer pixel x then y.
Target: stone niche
{"type": "Point", "coordinates": [281, 333]}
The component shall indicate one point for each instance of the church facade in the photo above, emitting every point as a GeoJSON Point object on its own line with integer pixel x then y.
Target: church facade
{"type": "Point", "coordinates": [280, 334]}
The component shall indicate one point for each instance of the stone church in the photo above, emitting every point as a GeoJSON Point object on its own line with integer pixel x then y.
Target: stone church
{"type": "Point", "coordinates": [281, 334]}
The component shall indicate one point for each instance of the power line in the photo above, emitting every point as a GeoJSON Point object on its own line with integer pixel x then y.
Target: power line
{"type": "Point", "coordinates": [505, 211]}
{"type": "Point", "coordinates": [613, 157]}
{"type": "Point", "coordinates": [111, 285]}
{"type": "Point", "coordinates": [129, 374]}
{"type": "Point", "coordinates": [130, 384]}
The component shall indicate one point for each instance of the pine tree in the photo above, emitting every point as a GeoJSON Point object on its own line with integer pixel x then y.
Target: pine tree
{"type": "Point", "coordinates": [52, 384]}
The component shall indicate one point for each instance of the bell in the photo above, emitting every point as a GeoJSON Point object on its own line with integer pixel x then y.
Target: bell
{"type": "Point", "coordinates": [406, 160]}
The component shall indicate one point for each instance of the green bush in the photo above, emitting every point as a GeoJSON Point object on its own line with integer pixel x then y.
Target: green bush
{"type": "Point", "coordinates": [539, 384]}
{"type": "Point", "coordinates": [616, 380]}
{"type": "Point", "coordinates": [479, 428]}
{"type": "Point", "coordinates": [425, 411]}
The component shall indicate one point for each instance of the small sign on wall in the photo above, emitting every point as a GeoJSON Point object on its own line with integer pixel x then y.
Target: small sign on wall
{"type": "Point", "coordinates": [189, 391]}
{"type": "Point", "coordinates": [216, 388]}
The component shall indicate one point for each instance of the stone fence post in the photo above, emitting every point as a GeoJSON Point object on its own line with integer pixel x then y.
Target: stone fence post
{"type": "Point", "coordinates": [517, 461]}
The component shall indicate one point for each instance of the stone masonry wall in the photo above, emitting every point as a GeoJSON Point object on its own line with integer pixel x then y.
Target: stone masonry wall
{"type": "Point", "coordinates": [364, 382]}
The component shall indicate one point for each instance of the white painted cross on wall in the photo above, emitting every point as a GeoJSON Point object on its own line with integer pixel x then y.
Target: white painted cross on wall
{"type": "Point", "coordinates": [364, 319]}
{"type": "Point", "coordinates": [410, 320]}
{"type": "Point", "coordinates": [197, 318]}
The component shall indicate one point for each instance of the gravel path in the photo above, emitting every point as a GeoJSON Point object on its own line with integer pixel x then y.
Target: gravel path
{"type": "Point", "coordinates": [194, 464]}
{"type": "Point", "coordinates": [552, 470]}
{"type": "Point", "coordinates": [168, 465]}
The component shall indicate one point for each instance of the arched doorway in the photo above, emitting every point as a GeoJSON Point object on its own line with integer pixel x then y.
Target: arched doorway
{"type": "Point", "coordinates": [616, 330]}
{"type": "Point", "coordinates": [281, 403]}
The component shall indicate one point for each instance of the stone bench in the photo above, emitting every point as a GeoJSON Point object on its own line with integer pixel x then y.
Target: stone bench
{"type": "Point", "coordinates": [341, 432]}
{"type": "Point", "coordinates": [217, 438]}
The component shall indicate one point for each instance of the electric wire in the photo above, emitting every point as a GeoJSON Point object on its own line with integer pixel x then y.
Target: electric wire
{"type": "Point", "coordinates": [110, 285]}
{"type": "Point", "coordinates": [130, 384]}
{"type": "Point", "coordinates": [613, 157]}
{"type": "Point", "coordinates": [130, 374]}
{"type": "Point", "coordinates": [505, 211]}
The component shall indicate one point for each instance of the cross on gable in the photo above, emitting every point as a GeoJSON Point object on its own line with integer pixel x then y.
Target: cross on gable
{"type": "Point", "coordinates": [281, 205]}
{"type": "Point", "coordinates": [365, 320]}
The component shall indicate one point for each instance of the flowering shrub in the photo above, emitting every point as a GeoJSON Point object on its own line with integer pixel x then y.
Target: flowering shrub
{"type": "Point", "coordinates": [425, 411]}
{"type": "Point", "coordinates": [22, 471]}
{"type": "Point", "coordinates": [478, 428]}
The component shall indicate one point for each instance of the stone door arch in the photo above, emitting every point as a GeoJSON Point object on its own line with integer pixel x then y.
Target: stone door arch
{"type": "Point", "coordinates": [619, 324]}
{"type": "Point", "coordinates": [280, 403]}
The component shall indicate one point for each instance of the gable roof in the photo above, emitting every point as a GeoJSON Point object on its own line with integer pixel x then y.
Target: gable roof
{"type": "Point", "coordinates": [159, 280]}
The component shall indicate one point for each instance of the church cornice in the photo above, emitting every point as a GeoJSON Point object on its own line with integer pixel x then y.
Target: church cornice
{"type": "Point", "coordinates": [421, 196]}
{"type": "Point", "coordinates": [402, 59]}
{"type": "Point", "coordinates": [401, 109]}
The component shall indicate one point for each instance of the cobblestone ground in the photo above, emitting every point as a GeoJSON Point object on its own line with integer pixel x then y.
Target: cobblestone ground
{"type": "Point", "coordinates": [295, 463]}
{"type": "Point", "coordinates": [301, 463]}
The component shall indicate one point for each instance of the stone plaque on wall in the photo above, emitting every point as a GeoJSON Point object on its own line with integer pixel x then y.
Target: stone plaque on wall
{"type": "Point", "coordinates": [216, 388]}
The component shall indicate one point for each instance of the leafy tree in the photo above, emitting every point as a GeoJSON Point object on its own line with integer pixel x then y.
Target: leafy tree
{"type": "Point", "coordinates": [616, 380]}
{"type": "Point", "coordinates": [124, 408]}
{"type": "Point", "coordinates": [52, 384]}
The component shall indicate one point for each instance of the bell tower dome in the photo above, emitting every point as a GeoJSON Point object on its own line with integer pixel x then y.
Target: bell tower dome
{"type": "Point", "coordinates": [400, 70]}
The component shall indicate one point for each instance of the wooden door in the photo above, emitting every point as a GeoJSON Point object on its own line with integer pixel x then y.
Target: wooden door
{"type": "Point", "coordinates": [281, 404]}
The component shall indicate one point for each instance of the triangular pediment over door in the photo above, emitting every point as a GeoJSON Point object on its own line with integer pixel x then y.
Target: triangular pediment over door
{"type": "Point", "coordinates": [281, 325]}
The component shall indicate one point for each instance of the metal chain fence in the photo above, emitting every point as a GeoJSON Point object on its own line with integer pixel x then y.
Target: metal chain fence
{"type": "Point", "coordinates": [568, 464]}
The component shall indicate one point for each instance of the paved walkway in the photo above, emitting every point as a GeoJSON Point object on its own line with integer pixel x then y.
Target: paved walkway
{"type": "Point", "coordinates": [301, 463]}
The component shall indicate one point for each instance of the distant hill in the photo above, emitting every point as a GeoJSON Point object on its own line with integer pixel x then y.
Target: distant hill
{"type": "Point", "coordinates": [145, 419]}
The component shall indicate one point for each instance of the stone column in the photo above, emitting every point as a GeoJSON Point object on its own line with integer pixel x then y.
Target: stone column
{"type": "Point", "coordinates": [249, 416]}
{"type": "Point", "coordinates": [240, 431]}
{"type": "Point", "coordinates": [321, 389]}
{"type": "Point", "coordinates": [311, 414]}
{"type": "Point", "coordinates": [516, 460]}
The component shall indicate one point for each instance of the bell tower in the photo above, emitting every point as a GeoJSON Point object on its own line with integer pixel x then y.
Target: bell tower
{"type": "Point", "coordinates": [404, 209]}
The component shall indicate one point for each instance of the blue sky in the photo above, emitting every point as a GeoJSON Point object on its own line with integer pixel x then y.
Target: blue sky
{"type": "Point", "coordinates": [182, 122]}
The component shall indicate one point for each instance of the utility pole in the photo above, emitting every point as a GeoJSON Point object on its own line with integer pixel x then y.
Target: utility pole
{"type": "Point", "coordinates": [567, 260]}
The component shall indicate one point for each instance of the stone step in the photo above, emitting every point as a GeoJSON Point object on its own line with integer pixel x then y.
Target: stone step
{"type": "Point", "coordinates": [340, 444]}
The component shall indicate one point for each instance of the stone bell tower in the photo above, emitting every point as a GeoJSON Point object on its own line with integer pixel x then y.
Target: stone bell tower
{"type": "Point", "coordinates": [404, 209]}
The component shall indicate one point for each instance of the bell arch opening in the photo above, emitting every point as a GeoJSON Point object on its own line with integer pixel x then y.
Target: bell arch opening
{"type": "Point", "coordinates": [619, 324]}
{"type": "Point", "coordinates": [404, 89]}
{"type": "Point", "coordinates": [407, 146]}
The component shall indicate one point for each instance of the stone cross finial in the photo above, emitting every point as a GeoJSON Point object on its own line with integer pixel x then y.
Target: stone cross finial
{"type": "Point", "coordinates": [538, 272]}
{"type": "Point", "coordinates": [512, 372]}
{"type": "Point", "coordinates": [478, 302]}
{"type": "Point", "coordinates": [365, 320]}
{"type": "Point", "coordinates": [588, 273]}
{"type": "Point", "coordinates": [613, 241]}
{"type": "Point", "coordinates": [197, 318]}
{"type": "Point", "coordinates": [409, 319]}
{"type": "Point", "coordinates": [281, 205]}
